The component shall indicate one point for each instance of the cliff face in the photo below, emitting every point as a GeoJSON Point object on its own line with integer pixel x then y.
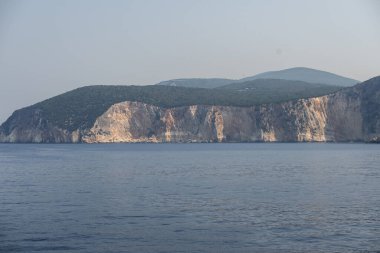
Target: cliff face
{"type": "Point", "coordinates": [137, 122]}
{"type": "Point", "coordinates": [351, 114]}
{"type": "Point", "coordinates": [315, 119]}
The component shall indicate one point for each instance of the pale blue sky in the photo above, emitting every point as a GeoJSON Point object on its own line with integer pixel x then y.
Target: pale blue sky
{"type": "Point", "coordinates": [48, 47]}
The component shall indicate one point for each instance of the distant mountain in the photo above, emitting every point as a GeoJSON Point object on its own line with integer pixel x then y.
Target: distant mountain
{"type": "Point", "coordinates": [293, 74]}
{"type": "Point", "coordinates": [197, 82]}
{"type": "Point", "coordinates": [305, 75]}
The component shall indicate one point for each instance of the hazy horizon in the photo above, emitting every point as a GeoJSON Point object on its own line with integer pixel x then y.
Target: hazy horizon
{"type": "Point", "coordinates": [49, 47]}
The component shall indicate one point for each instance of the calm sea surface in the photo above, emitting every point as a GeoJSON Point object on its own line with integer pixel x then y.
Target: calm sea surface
{"type": "Point", "coordinates": [190, 198]}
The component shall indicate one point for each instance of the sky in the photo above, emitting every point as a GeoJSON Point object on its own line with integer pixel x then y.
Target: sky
{"type": "Point", "coordinates": [49, 46]}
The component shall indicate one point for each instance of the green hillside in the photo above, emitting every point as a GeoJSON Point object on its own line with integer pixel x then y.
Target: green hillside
{"type": "Point", "coordinates": [280, 89]}
{"type": "Point", "coordinates": [208, 83]}
{"type": "Point", "coordinates": [79, 108]}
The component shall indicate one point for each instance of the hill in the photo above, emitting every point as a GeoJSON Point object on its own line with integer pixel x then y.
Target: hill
{"type": "Point", "coordinates": [177, 114]}
{"type": "Point", "coordinates": [293, 74]}
{"type": "Point", "coordinates": [79, 108]}
{"type": "Point", "coordinates": [305, 75]}
{"type": "Point", "coordinates": [93, 114]}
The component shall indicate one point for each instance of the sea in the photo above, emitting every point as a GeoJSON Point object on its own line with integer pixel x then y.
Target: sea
{"type": "Point", "coordinates": [241, 197]}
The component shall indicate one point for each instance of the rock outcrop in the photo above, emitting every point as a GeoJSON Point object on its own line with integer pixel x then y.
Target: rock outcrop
{"type": "Point", "coordinates": [349, 115]}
